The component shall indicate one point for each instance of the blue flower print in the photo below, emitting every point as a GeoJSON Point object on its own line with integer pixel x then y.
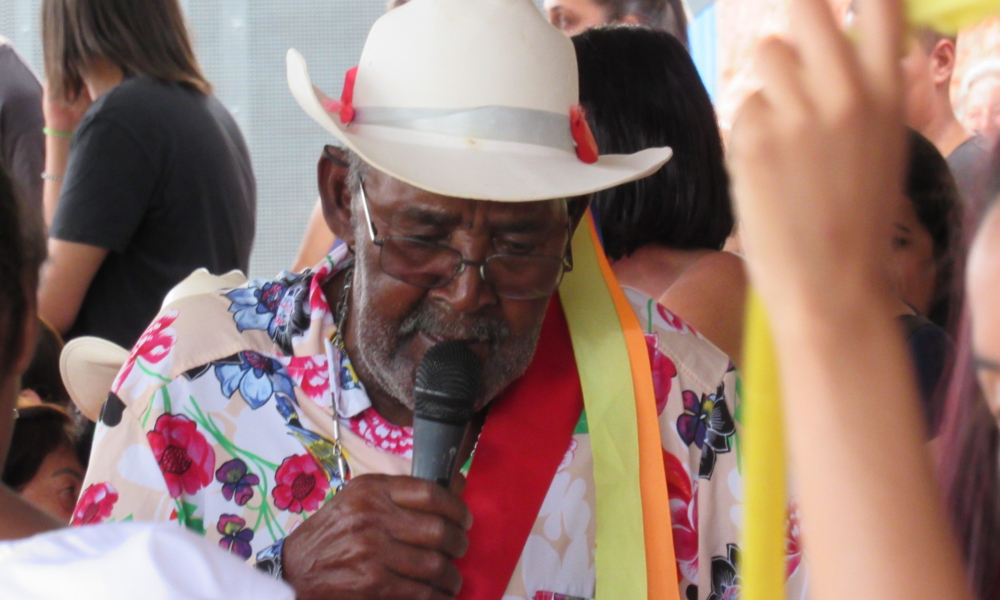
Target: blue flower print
{"type": "Point", "coordinates": [257, 377]}
{"type": "Point", "coordinates": [255, 306]}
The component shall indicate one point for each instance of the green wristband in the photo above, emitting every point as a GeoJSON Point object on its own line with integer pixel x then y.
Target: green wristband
{"type": "Point", "coordinates": [57, 133]}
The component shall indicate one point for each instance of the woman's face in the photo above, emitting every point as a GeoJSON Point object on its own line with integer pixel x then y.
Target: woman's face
{"type": "Point", "coordinates": [912, 265]}
{"type": "Point", "coordinates": [574, 16]}
{"type": "Point", "coordinates": [56, 486]}
{"type": "Point", "coordinates": [983, 285]}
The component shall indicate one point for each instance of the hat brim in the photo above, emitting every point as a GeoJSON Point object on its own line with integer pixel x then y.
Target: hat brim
{"type": "Point", "coordinates": [472, 168]}
{"type": "Point", "coordinates": [89, 366]}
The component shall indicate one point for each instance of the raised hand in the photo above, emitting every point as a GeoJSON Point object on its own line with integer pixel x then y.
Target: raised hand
{"type": "Point", "coordinates": [381, 537]}
{"type": "Point", "coordinates": [817, 155]}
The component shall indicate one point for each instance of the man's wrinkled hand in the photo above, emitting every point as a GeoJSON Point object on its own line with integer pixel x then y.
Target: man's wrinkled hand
{"type": "Point", "coordinates": [381, 537]}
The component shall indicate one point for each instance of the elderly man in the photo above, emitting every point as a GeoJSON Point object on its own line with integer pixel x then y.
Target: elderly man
{"type": "Point", "coordinates": [276, 418]}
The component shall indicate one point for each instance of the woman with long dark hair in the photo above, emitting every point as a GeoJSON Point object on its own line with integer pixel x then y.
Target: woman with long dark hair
{"type": "Point", "coordinates": [664, 234]}
{"type": "Point", "coordinates": [147, 175]}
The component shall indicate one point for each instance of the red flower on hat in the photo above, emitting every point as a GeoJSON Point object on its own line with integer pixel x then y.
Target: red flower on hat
{"type": "Point", "coordinates": [184, 457]}
{"type": "Point", "coordinates": [586, 146]}
{"type": "Point", "coordinates": [344, 108]}
{"type": "Point", "coordinates": [302, 485]}
{"type": "Point", "coordinates": [95, 504]}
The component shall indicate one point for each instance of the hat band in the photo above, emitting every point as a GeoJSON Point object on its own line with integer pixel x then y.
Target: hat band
{"type": "Point", "coordinates": [498, 123]}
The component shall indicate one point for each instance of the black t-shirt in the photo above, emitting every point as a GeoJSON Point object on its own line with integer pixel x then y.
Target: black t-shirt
{"type": "Point", "coordinates": [160, 176]}
{"type": "Point", "coordinates": [931, 350]}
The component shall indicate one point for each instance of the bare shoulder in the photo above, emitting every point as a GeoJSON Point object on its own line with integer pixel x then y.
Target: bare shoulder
{"type": "Point", "coordinates": [710, 296]}
{"type": "Point", "coordinates": [717, 271]}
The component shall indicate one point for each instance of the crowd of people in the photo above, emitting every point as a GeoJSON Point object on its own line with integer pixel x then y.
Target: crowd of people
{"type": "Point", "coordinates": [551, 189]}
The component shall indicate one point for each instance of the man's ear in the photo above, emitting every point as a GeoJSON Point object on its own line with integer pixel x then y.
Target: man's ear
{"type": "Point", "coordinates": [335, 194]}
{"type": "Point", "coordinates": [577, 208]}
{"type": "Point", "coordinates": [943, 61]}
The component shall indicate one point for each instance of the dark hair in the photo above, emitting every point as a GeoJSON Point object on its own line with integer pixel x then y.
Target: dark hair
{"type": "Point", "coordinates": [667, 15]}
{"type": "Point", "coordinates": [22, 250]}
{"type": "Point", "coordinates": [969, 466]}
{"type": "Point", "coordinates": [640, 89]}
{"type": "Point", "coordinates": [140, 37]}
{"type": "Point", "coordinates": [969, 470]}
{"type": "Point", "coordinates": [38, 432]}
{"type": "Point", "coordinates": [931, 188]}
{"type": "Point", "coordinates": [43, 376]}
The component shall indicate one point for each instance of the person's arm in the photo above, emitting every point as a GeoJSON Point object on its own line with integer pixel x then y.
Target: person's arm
{"type": "Point", "coordinates": [61, 118]}
{"type": "Point", "coordinates": [65, 279]}
{"type": "Point", "coordinates": [814, 156]}
{"type": "Point", "coordinates": [316, 241]}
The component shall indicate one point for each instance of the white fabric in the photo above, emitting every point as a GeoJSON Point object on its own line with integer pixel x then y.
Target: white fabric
{"type": "Point", "coordinates": [128, 561]}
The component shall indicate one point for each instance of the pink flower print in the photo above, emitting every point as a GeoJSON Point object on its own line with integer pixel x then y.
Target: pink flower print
{"type": "Point", "coordinates": [311, 374]}
{"type": "Point", "coordinates": [302, 485]}
{"type": "Point", "coordinates": [672, 321]}
{"type": "Point", "coordinates": [95, 504]}
{"type": "Point", "coordinates": [184, 456]}
{"type": "Point", "coordinates": [684, 516]}
{"type": "Point", "coordinates": [663, 370]}
{"type": "Point", "coordinates": [382, 434]}
{"type": "Point", "coordinates": [793, 547]}
{"type": "Point", "coordinates": [153, 346]}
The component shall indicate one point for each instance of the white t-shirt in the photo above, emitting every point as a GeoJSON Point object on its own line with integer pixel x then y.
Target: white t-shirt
{"type": "Point", "coordinates": [128, 561]}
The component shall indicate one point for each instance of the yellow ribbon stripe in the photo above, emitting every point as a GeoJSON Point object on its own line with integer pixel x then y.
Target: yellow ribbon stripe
{"type": "Point", "coordinates": [602, 360]}
{"type": "Point", "coordinates": [661, 578]}
{"type": "Point", "coordinates": [763, 463]}
{"type": "Point", "coordinates": [950, 16]}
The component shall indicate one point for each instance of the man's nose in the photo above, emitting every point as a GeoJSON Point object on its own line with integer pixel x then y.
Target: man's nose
{"type": "Point", "coordinates": [468, 292]}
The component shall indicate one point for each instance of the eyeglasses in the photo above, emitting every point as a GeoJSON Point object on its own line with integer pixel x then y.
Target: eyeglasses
{"type": "Point", "coordinates": [429, 265]}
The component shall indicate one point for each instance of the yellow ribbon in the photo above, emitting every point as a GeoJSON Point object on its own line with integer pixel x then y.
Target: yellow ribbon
{"type": "Point", "coordinates": [763, 463]}
{"type": "Point", "coordinates": [950, 16]}
{"type": "Point", "coordinates": [602, 360]}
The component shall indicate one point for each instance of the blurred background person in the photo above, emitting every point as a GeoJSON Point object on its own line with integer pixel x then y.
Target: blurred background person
{"type": "Point", "coordinates": [318, 238]}
{"type": "Point", "coordinates": [925, 268]}
{"type": "Point", "coordinates": [157, 181]}
{"type": "Point", "coordinates": [43, 465]}
{"type": "Point", "coordinates": [980, 97]}
{"type": "Point", "coordinates": [22, 144]}
{"type": "Point", "coordinates": [575, 16]}
{"type": "Point", "coordinates": [664, 234]}
{"type": "Point", "coordinates": [969, 467]}
{"type": "Point", "coordinates": [927, 71]}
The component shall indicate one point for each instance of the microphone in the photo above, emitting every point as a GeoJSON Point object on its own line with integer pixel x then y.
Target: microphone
{"type": "Point", "coordinates": [445, 394]}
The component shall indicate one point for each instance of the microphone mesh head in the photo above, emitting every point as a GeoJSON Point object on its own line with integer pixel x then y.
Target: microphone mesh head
{"type": "Point", "coordinates": [447, 383]}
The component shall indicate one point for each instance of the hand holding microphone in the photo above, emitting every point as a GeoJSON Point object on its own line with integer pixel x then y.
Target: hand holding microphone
{"type": "Point", "coordinates": [392, 537]}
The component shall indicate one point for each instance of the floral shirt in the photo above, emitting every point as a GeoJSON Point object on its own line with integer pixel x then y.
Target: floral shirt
{"type": "Point", "coordinates": [224, 415]}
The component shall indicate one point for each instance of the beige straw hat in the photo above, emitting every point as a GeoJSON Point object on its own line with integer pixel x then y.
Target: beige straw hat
{"type": "Point", "coordinates": [470, 99]}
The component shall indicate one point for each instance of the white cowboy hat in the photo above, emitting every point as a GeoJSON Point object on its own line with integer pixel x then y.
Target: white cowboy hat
{"type": "Point", "coordinates": [89, 365]}
{"type": "Point", "coordinates": [470, 99]}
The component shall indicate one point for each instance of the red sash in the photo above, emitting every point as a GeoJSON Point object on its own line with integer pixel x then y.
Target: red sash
{"type": "Point", "coordinates": [524, 439]}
